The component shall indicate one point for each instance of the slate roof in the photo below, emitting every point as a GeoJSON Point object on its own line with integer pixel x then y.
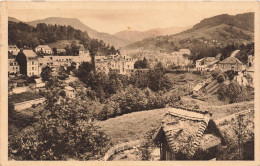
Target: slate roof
{"type": "Point", "coordinates": [231, 60]}
{"type": "Point", "coordinates": [185, 131]}
{"type": "Point", "coordinates": [29, 54]}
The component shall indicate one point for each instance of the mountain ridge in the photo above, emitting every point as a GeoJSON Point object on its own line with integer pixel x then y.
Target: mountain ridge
{"type": "Point", "coordinates": [77, 24]}
{"type": "Point", "coordinates": [217, 31]}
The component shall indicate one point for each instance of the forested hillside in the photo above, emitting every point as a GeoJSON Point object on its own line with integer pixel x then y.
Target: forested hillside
{"type": "Point", "coordinates": [24, 35]}
{"type": "Point", "coordinates": [76, 23]}
{"type": "Point", "coordinates": [207, 38]}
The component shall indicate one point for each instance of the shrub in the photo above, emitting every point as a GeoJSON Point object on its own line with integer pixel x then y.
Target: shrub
{"type": "Point", "coordinates": [221, 78]}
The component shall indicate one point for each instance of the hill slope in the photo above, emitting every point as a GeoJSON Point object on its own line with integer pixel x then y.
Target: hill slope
{"type": "Point", "coordinates": [140, 35]}
{"type": "Point", "coordinates": [13, 19]}
{"type": "Point", "coordinates": [77, 24]}
{"type": "Point", "coordinates": [134, 126]}
{"type": "Point", "coordinates": [217, 31]}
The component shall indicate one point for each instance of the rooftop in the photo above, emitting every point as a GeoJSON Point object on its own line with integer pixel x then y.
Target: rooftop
{"type": "Point", "coordinates": [187, 130]}
{"type": "Point", "coordinates": [230, 60]}
{"type": "Point", "coordinates": [29, 53]}
{"type": "Point", "coordinates": [44, 47]}
{"type": "Point", "coordinates": [38, 80]}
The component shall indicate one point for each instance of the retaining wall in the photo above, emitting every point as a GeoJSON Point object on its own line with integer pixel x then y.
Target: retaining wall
{"type": "Point", "coordinates": [28, 104]}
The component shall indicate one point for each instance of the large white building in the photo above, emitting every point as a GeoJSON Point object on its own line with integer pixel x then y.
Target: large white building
{"type": "Point", "coordinates": [114, 63]}
{"type": "Point", "coordinates": [28, 62]}
{"type": "Point", "coordinates": [43, 49]}
{"type": "Point", "coordinates": [57, 61]}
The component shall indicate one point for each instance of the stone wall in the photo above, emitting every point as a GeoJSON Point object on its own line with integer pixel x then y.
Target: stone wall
{"type": "Point", "coordinates": [121, 147]}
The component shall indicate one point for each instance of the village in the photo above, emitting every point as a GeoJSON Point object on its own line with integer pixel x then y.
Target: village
{"type": "Point", "coordinates": [110, 94]}
{"type": "Point", "coordinates": [26, 87]}
{"type": "Point", "coordinates": [29, 63]}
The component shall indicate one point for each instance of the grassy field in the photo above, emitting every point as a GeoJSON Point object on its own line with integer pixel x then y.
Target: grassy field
{"type": "Point", "coordinates": [60, 44]}
{"type": "Point", "coordinates": [133, 126]}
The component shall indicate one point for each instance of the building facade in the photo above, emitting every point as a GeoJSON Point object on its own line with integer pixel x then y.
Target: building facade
{"type": "Point", "coordinates": [206, 63]}
{"type": "Point", "coordinates": [13, 49]}
{"type": "Point", "coordinates": [70, 92]}
{"type": "Point", "coordinates": [230, 63]}
{"type": "Point", "coordinates": [28, 62]}
{"type": "Point", "coordinates": [43, 49]}
{"type": "Point", "coordinates": [114, 63]}
{"type": "Point", "coordinates": [13, 67]}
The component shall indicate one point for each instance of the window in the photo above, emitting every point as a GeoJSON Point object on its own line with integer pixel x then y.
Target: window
{"type": "Point", "coordinates": [32, 62]}
{"type": "Point", "coordinates": [32, 68]}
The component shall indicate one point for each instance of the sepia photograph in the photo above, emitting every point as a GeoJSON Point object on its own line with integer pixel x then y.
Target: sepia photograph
{"type": "Point", "coordinates": [130, 81]}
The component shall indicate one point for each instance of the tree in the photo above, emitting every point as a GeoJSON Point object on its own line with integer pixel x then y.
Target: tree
{"type": "Point", "coordinates": [46, 73]}
{"type": "Point", "coordinates": [74, 48]}
{"type": "Point", "coordinates": [62, 75]}
{"type": "Point", "coordinates": [141, 64]}
{"type": "Point", "coordinates": [61, 132]}
{"type": "Point", "coordinates": [93, 48]}
{"type": "Point", "coordinates": [220, 78]}
{"type": "Point", "coordinates": [231, 74]}
{"type": "Point", "coordinates": [85, 72]}
{"type": "Point", "coordinates": [54, 51]}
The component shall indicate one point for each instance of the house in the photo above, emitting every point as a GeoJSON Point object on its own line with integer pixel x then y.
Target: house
{"type": "Point", "coordinates": [240, 79]}
{"type": "Point", "coordinates": [230, 63]}
{"type": "Point", "coordinates": [28, 62]}
{"type": "Point", "coordinates": [66, 60]}
{"type": "Point", "coordinates": [70, 92]}
{"type": "Point", "coordinates": [250, 65]}
{"type": "Point", "coordinates": [114, 63]}
{"type": "Point", "coordinates": [13, 67]}
{"type": "Point", "coordinates": [13, 49]}
{"type": "Point", "coordinates": [43, 49]}
{"type": "Point", "coordinates": [250, 60]}
{"type": "Point", "coordinates": [206, 63]}
{"type": "Point", "coordinates": [81, 49]}
{"type": "Point", "coordinates": [61, 50]}
{"type": "Point", "coordinates": [102, 64]}
{"type": "Point", "coordinates": [188, 134]}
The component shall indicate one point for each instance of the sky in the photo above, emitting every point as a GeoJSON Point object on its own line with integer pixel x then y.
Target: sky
{"type": "Point", "coordinates": [112, 17]}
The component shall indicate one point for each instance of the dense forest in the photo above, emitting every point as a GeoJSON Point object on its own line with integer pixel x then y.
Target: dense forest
{"type": "Point", "coordinates": [26, 36]}
{"type": "Point", "coordinates": [206, 51]}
